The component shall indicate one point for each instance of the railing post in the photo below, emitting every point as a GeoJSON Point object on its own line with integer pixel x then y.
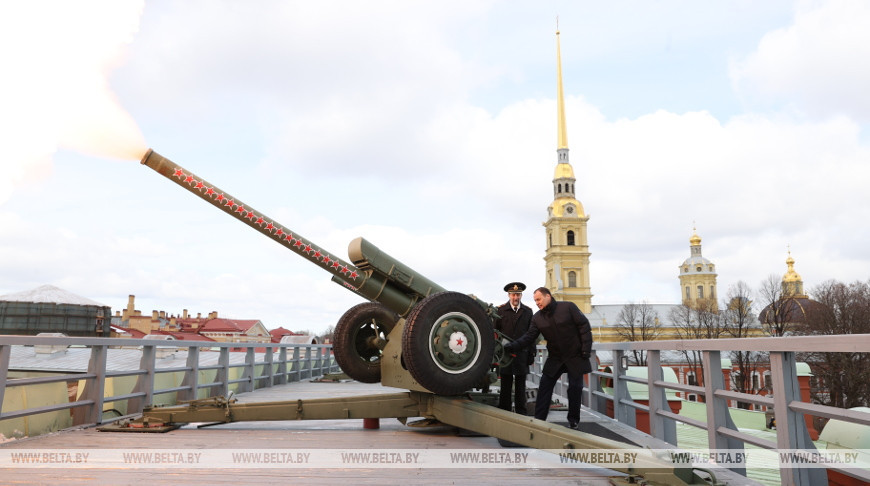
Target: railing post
{"type": "Point", "coordinates": [249, 371]}
{"type": "Point", "coordinates": [717, 408]}
{"type": "Point", "coordinates": [316, 362]}
{"type": "Point", "coordinates": [222, 375]}
{"type": "Point", "coordinates": [296, 365]}
{"type": "Point", "coordinates": [268, 372]}
{"type": "Point", "coordinates": [596, 402]}
{"type": "Point", "coordinates": [95, 388]}
{"type": "Point", "coordinates": [191, 376]}
{"type": "Point", "coordinates": [145, 382]}
{"type": "Point", "coordinates": [660, 427]}
{"type": "Point", "coordinates": [5, 353]}
{"type": "Point", "coordinates": [282, 366]}
{"type": "Point", "coordinates": [308, 363]}
{"type": "Point", "coordinates": [622, 413]}
{"type": "Point", "coordinates": [791, 429]}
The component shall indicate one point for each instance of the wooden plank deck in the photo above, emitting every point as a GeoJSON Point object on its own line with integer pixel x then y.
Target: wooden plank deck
{"type": "Point", "coordinates": [284, 436]}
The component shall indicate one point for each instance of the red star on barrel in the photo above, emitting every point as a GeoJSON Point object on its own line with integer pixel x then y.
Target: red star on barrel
{"type": "Point", "coordinates": [220, 198]}
{"type": "Point", "coordinates": [240, 209]}
{"type": "Point", "coordinates": [199, 185]}
{"type": "Point", "coordinates": [298, 243]}
{"type": "Point", "coordinates": [344, 270]}
{"type": "Point", "coordinates": [250, 215]}
{"type": "Point", "coordinates": [260, 221]}
{"type": "Point", "coordinates": [317, 254]}
{"type": "Point", "coordinates": [209, 191]}
{"type": "Point", "coordinates": [279, 232]}
{"type": "Point", "coordinates": [307, 249]}
{"type": "Point", "coordinates": [230, 203]}
{"type": "Point", "coordinates": [179, 173]}
{"type": "Point", "coordinates": [188, 179]}
{"type": "Point", "coordinates": [354, 275]}
{"type": "Point", "coordinates": [270, 227]}
{"type": "Point", "coordinates": [326, 260]}
{"type": "Point", "coordinates": [335, 264]}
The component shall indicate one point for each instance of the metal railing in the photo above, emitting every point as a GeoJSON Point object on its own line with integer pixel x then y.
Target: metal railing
{"type": "Point", "coordinates": [722, 434]}
{"type": "Point", "coordinates": [280, 364]}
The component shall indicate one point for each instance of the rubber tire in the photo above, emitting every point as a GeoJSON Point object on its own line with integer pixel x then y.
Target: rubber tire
{"type": "Point", "coordinates": [350, 340]}
{"type": "Point", "coordinates": [417, 351]}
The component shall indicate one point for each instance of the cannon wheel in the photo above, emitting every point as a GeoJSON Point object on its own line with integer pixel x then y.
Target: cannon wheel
{"type": "Point", "coordinates": [447, 343]}
{"type": "Point", "coordinates": [354, 351]}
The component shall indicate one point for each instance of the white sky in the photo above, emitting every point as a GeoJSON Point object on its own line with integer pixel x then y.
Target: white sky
{"type": "Point", "coordinates": [429, 129]}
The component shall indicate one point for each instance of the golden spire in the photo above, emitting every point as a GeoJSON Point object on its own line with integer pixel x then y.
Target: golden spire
{"type": "Point", "coordinates": [563, 130]}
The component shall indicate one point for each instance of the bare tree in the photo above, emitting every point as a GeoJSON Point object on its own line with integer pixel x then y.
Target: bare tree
{"type": "Point", "coordinates": [701, 320]}
{"type": "Point", "coordinates": [841, 379]}
{"type": "Point", "coordinates": [327, 336]}
{"type": "Point", "coordinates": [638, 322]}
{"type": "Point", "coordinates": [741, 322]}
{"type": "Point", "coordinates": [780, 311]}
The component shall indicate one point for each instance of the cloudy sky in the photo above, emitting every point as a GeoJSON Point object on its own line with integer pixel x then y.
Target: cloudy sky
{"type": "Point", "coordinates": [428, 128]}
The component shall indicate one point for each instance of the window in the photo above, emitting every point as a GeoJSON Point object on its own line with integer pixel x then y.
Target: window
{"type": "Point", "coordinates": [756, 378]}
{"type": "Point", "coordinates": [560, 188]}
{"type": "Point", "coordinates": [691, 379]}
{"type": "Point", "coordinates": [700, 291]}
{"type": "Point", "coordinates": [713, 292]}
{"type": "Point", "coordinates": [570, 238]}
{"type": "Point", "coordinates": [688, 293]}
{"type": "Point", "coordinates": [572, 279]}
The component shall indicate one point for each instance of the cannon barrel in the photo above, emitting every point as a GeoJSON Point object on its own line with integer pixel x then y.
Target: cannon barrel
{"type": "Point", "coordinates": [374, 274]}
{"type": "Point", "coordinates": [443, 343]}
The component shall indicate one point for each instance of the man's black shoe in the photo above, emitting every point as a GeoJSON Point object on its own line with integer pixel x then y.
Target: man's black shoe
{"type": "Point", "coordinates": [573, 425]}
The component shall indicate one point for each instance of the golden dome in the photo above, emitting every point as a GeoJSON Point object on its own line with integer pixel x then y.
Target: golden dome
{"type": "Point", "coordinates": [563, 171]}
{"type": "Point", "coordinates": [791, 275]}
{"type": "Point", "coordinates": [695, 240]}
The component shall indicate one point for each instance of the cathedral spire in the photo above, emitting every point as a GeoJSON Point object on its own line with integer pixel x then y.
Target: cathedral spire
{"type": "Point", "coordinates": [560, 101]}
{"type": "Point", "coordinates": [567, 255]}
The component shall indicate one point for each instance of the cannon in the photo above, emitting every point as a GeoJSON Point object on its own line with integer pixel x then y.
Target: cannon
{"type": "Point", "coordinates": [411, 334]}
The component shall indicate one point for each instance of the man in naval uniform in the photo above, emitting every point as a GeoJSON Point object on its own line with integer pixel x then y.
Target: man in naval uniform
{"type": "Point", "coordinates": [569, 345]}
{"type": "Point", "coordinates": [514, 322]}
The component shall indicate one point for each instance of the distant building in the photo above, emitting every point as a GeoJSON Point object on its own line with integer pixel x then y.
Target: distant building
{"type": "Point", "coordinates": [697, 276]}
{"type": "Point", "coordinates": [51, 309]}
{"type": "Point", "coordinates": [567, 254]}
{"type": "Point", "coordinates": [791, 308]}
{"type": "Point", "coordinates": [185, 327]}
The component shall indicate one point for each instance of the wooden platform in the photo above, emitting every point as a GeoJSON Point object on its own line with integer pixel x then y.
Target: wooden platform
{"type": "Point", "coordinates": [284, 436]}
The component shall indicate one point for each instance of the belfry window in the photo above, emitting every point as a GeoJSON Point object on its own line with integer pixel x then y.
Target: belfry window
{"type": "Point", "coordinates": [700, 291]}
{"type": "Point", "coordinates": [570, 238]}
{"type": "Point", "coordinates": [560, 188]}
{"type": "Point", "coordinates": [572, 279]}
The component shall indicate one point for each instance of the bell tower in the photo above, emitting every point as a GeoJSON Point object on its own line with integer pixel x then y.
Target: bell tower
{"type": "Point", "coordinates": [697, 276]}
{"type": "Point", "coordinates": [567, 255]}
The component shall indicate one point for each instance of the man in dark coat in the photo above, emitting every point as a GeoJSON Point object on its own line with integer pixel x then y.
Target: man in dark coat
{"type": "Point", "coordinates": [514, 322]}
{"type": "Point", "coordinates": [569, 345]}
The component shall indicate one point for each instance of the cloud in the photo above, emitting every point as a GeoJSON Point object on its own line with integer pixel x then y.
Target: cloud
{"type": "Point", "coordinates": [820, 64]}
{"type": "Point", "coordinates": [54, 90]}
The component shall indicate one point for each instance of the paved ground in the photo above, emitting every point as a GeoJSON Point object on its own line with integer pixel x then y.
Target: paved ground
{"type": "Point", "coordinates": [285, 441]}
